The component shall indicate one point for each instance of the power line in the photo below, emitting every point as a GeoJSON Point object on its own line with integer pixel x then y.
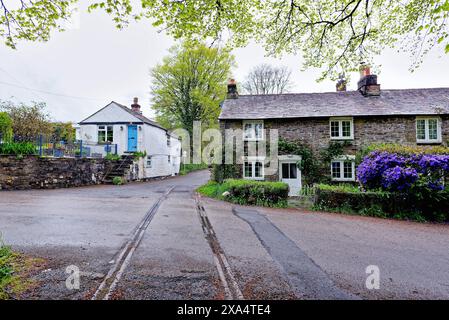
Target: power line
{"type": "Point", "coordinates": [48, 92]}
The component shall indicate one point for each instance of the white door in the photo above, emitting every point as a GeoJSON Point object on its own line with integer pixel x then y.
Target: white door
{"type": "Point", "coordinates": [290, 173]}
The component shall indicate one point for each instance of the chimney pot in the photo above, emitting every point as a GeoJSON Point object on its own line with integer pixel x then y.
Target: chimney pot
{"type": "Point", "coordinates": [232, 89]}
{"type": "Point", "coordinates": [135, 106]}
{"type": "Point", "coordinates": [367, 85]}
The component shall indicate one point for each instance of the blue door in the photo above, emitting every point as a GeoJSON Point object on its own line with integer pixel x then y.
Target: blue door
{"type": "Point", "coordinates": [132, 138]}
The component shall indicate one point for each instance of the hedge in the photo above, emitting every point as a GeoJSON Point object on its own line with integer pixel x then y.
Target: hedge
{"type": "Point", "coordinates": [385, 204]}
{"type": "Point", "coordinates": [248, 192]}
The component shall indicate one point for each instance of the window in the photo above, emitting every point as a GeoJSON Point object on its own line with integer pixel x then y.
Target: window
{"type": "Point", "coordinates": [253, 169]}
{"type": "Point", "coordinates": [149, 162]}
{"type": "Point", "coordinates": [289, 171]}
{"type": "Point", "coordinates": [428, 130]}
{"type": "Point", "coordinates": [341, 128]}
{"type": "Point", "coordinates": [343, 169]}
{"type": "Point", "coordinates": [169, 159]}
{"type": "Point", "coordinates": [105, 134]}
{"type": "Point", "coordinates": [168, 141]}
{"type": "Point", "coordinates": [252, 130]}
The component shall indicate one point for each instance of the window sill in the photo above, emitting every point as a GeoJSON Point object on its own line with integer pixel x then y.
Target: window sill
{"type": "Point", "coordinates": [342, 138]}
{"type": "Point", "coordinates": [250, 178]}
{"type": "Point", "coordinates": [428, 141]}
{"type": "Point", "coordinates": [252, 140]}
{"type": "Point", "coordinates": [343, 179]}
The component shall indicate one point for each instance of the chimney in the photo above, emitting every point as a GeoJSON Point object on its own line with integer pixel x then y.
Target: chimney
{"type": "Point", "coordinates": [367, 84]}
{"type": "Point", "coordinates": [341, 83]}
{"type": "Point", "coordinates": [136, 106]}
{"type": "Point", "coordinates": [232, 90]}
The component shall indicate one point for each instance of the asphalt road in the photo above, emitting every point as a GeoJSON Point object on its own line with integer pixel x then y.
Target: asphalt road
{"type": "Point", "coordinates": [262, 253]}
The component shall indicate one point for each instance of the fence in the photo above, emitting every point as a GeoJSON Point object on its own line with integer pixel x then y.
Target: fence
{"type": "Point", "coordinates": [47, 146]}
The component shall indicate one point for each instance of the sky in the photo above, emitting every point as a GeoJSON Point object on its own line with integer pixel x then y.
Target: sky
{"type": "Point", "coordinates": [84, 68]}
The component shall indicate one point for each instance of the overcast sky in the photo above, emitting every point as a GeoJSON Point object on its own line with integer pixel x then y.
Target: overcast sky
{"type": "Point", "coordinates": [83, 69]}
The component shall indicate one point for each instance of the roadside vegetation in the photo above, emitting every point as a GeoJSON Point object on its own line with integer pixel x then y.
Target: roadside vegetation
{"type": "Point", "coordinates": [15, 270]}
{"type": "Point", "coordinates": [394, 181]}
{"type": "Point", "coordinates": [247, 192]}
{"type": "Point", "coordinates": [187, 168]}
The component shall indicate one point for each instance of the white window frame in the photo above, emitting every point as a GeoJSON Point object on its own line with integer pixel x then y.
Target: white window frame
{"type": "Point", "coordinates": [253, 130]}
{"type": "Point", "coordinates": [426, 130]}
{"type": "Point", "coordinates": [340, 128]}
{"type": "Point", "coordinates": [253, 161]}
{"type": "Point", "coordinates": [342, 160]}
{"type": "Point", "coordinates": [105, 130]}
{"type": "Point", "coordinates": [150, 160]}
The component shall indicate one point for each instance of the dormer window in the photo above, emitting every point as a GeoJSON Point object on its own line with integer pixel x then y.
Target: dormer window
{"type": "Point", "coordinates": [252, 130]}
{"type": "Point", "coordinates": [341, 128]}
{"type": "Point", "coordinates": [428, 130]}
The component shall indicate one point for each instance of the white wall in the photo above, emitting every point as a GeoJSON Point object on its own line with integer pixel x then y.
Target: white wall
{"type": "Point", "coordinates": [150, 139]}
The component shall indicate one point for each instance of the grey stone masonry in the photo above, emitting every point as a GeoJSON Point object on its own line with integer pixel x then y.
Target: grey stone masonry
{"type": "Point", "coordinates": [33, 172]}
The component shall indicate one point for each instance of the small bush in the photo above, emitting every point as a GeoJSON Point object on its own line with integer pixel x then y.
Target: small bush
{"type": "Point", "coordinates": [383, 204]}
{"type": "Point", "coordinates": [247, 192]}
{"type": "Point", "coordinates": [112, 157]}
{"type": "Point", "coordinates": [117, 181]}
{"type": "Point", "coordinates": [17, 148]}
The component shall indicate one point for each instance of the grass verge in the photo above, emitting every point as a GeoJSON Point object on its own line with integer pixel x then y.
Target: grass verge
{"type": "Point", "coordinates": [15, 271]}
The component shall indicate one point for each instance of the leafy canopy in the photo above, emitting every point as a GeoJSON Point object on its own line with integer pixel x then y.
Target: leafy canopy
{"type": "Point", "coordinates": [334, 35]}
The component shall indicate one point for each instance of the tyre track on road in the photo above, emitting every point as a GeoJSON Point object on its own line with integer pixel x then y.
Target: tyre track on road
{"type": "Point", "coordinates": [109, 283]}
{"type": "Point", "coordinates": [227, 278]}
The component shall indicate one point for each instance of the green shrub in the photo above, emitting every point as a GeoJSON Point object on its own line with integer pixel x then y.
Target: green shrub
{"type": "Point", "coordinates": [5, 127]}
{"type": "Point", "coordinates": [112, 157]}
{"type": "Point", "coordinates": [248, 192]}
{"type": "Point", "coordinates": [347, 199]}
{"type": "Point", "coordinates": [139, 154]}
{"type": "Point", "coordinates": [222, 172]}
{"type": "Point", "coordinates": [117, 181]}
{"type": "Point", "coordinates": [17, 148]}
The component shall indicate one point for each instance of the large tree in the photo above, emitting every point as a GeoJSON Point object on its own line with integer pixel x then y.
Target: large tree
{"type": "Point", "coordinates": [190, 84]}
{"type": "Point", "coordinates": [335, 35]}
{"type": "Point", "coordinates": [267, 79]}
{"type": "Point", "coordinates": [29, 121]}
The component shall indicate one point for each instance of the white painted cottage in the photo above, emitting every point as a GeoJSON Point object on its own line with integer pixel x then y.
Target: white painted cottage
{"type": "Point", "coordinates": [122, 130]}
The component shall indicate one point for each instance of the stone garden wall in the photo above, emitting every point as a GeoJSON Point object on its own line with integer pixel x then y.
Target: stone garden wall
{"type": "Point", "coordinates": [33, 172]}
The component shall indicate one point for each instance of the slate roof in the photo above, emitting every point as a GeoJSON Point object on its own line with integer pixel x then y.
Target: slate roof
{"type": "Point", "coordinates": [329, 104]}
{"type": "Point", "coordinates": [139, 116]}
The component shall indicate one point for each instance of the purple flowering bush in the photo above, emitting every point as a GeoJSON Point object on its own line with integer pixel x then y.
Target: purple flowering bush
{"type": "Point", "coordinates": [403, 172]}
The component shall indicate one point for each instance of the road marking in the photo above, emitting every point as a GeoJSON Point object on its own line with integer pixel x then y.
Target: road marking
{"type": "Point", "coordinates": [227, 278]}
{"type": "Point", "coordinates": [114, 275]}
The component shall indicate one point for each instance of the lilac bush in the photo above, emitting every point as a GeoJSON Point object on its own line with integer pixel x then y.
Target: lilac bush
{"type": "Point", "coordinates": [397, 172]}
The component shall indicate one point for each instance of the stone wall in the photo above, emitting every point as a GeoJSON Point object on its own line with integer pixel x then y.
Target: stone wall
{"type": "Point", "coordinates": [33, 172]}
{"type": "Point", "coordinates": [367, 130]}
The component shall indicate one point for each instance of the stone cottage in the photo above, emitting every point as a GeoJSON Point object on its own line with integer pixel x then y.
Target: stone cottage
{"type": "Point", "coordinates": [363, 117]}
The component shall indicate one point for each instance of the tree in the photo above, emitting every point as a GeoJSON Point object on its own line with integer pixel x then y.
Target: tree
{"type": "Point", "coordinates": [190, 84]}
{"type": "Point", "coordinates": [63, 131]}
{"type": "Point", "coordinates": [32, 20]}
{"type": "Point", "coordinates": [335, 35]}
{"type": "Point", "coordinates": [267, 79]}
{"type": "Point", "coordinates": [28, 121]}
{"type": "Point", "coordinates": [5, 127]}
